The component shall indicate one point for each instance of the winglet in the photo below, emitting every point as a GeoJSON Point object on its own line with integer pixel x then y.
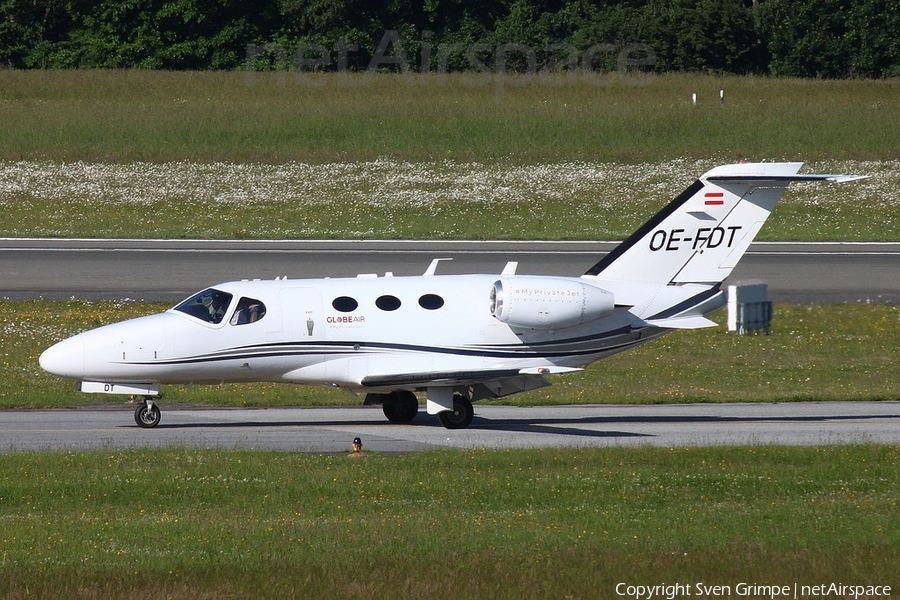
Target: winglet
{"type": "Point", "coordinates": [548, 370]}
{"type": "Point", "coordinates": [689, 322]}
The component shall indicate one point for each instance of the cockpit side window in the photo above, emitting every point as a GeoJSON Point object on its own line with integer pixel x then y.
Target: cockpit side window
{"type": "Point", "coordinates": [248, 310]}
{"type": "Point", "coordinates": [209, 305]}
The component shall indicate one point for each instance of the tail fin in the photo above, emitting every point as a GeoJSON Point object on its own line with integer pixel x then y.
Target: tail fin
{"type": "Point", "coordinates": [701, 235]}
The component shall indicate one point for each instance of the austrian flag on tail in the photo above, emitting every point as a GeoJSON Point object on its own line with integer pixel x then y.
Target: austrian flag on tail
{"type": "Point", "coordinates": [714, 198]}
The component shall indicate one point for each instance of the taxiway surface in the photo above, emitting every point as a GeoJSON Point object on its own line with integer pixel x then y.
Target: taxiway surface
{"type": "Point", "coordinates": [332, 429]}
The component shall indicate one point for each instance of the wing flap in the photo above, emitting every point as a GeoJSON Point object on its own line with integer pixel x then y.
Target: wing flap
{"type": "Point", "coordinates": [442, 378]}
{"type": "Point", "coordinates": [462, 377]}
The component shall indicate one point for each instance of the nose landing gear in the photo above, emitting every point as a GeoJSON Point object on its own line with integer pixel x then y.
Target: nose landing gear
{"type": "Point", "coordinates": [147, 414]}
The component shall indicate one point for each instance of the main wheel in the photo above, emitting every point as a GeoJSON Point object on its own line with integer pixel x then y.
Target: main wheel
{"type": "Point", "coordinates": [400, 406]}
{"type": "Point", "coordinates": [461, 416]}
{"type": "Point", "coordinates": [147, 416]}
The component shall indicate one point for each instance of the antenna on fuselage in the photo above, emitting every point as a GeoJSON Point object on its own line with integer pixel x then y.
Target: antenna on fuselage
{"type": "Point", "coordinates": [433, 267]}
{"type": "Point", "coordinates": [510, 268]}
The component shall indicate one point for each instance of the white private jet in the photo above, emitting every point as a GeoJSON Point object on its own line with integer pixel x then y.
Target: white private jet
{"type": "Point", "coordinates": [458, 338]}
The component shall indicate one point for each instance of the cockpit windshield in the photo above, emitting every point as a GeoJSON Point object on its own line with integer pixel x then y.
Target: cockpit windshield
{"type": "Point", "coordinates": [209, 305]}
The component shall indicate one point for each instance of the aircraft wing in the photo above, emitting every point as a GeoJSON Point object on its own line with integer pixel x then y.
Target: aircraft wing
{"type": "Point", "coordinates": [442, 378]}
{"type": "Point", "coordinates": [496, 382]}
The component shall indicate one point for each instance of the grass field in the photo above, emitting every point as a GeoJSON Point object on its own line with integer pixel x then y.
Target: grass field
{"type": "Point", "coordinates": [125, 116]}
{"type": "Point", "coordinates": [815, 352]}
{"type": "Point", "coordinates": [453, 524]}
{"type": "Point", "coordinates": [217, 155]}
{"type": "Point", "coordinates": [388, 199]}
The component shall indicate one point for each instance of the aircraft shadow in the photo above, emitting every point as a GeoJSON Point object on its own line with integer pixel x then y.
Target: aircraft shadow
{"type": "Point", "coordinates": [422, 420]}
{"type": "Point", "coordinates": [546, 425]}
{"type": "Point", "coordinates": [706, 419]}
{"type": "Point", "coordinates": [556, 425]}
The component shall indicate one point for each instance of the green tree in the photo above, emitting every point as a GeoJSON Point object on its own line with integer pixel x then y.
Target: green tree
{"type": "Point", "coordinates": [709, 35]}
{"type": "Point", "coordinates": [804, 38]}
{"type": "Point", "coordinates": [873, 38]}
{"type": "Point", "coordinates": [30, 26]}
{"type": "Point", "coordinates": [155, 34]}
{"type": "Point", "coordinates": [807, 38]}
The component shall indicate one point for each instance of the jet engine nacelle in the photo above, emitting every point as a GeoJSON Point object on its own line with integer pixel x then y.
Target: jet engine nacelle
{"type": "Point", "coordinates": [548, 302]}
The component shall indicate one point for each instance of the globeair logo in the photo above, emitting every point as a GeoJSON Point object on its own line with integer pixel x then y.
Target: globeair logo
{"type": "Point", "coordinates": [345, 320]}
{"type": "Point", "coordinates": [482, 64]}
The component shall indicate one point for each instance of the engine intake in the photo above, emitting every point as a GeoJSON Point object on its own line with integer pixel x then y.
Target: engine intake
{"type": "Point", "coordinates": [548, 302]}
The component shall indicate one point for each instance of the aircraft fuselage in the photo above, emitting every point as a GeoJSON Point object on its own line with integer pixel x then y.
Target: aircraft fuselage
{"type": "Point", "coordinates": [338, 332]}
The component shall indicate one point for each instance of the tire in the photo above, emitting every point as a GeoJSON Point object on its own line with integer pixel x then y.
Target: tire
{"type": "Point", "coordinates": [147, 417]}
{"type": "Point", "coordinates": [400, 407]}
{"type": "Point", "coordinates": [461, 416]}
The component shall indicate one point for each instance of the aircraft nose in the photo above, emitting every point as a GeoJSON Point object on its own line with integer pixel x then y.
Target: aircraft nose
{"type": "Point", "coordinates": [65, 359]}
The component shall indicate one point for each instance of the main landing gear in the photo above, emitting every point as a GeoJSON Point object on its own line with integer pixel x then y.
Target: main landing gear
{"type": "Point", "coordinates": [461, 416]}
{"type": "Point", "coordinates": [147, 414]}
{"type": "Point", "coordinates": [402, 406]}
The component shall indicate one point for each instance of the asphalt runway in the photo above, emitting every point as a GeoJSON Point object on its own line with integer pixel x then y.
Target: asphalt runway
{"type": "Point", "coordinates": [330, 430]}
{"type": "Point", "coordinates": [171, 270]}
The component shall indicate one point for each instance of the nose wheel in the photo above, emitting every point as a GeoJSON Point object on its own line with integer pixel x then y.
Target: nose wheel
{"type": "Point", "coordinates": [147, 414]}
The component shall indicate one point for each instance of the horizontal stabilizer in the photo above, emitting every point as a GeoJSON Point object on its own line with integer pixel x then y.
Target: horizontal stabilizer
{"type": "Point", "coordinates": [785, 178]}
{"type": "Point", "coordinates": [846, 178]}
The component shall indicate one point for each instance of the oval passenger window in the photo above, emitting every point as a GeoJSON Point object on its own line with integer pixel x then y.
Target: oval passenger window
{"type": "Point", "coordinates": [431, 302]}
{"type": "Point", "coordinates": [388, 303]}
{"type": "Point", "coordinates": [344, 304]}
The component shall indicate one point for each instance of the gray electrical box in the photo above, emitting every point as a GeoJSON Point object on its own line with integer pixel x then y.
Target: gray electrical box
{"type": "Point", "coordinates": [749, 308]}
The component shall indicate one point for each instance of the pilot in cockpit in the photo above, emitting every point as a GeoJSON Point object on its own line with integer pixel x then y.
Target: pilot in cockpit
{"type": "Point", "coordinates": [216, 303]}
